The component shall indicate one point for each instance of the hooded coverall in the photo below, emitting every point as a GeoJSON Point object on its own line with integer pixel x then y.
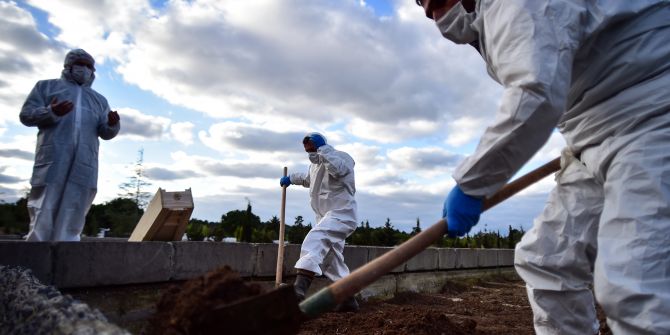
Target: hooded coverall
{"type": "Point", "coordinates": [599, 70]}
{"type": "Point", "coordinates": [332, 187]}
{"type": "Point", "coordinates": [65, 173]}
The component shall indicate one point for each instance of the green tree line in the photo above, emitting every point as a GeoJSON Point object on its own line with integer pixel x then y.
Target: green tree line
{"type": "Point", "coordinates": [119, 217]}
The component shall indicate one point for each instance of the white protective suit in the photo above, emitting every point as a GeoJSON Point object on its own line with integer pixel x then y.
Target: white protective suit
{"type": "Point", "coordinates": [65, 174]}
{"type": "Point", "coordinates": [599, 70]}
{"type": "Point", "coordinates": [332, 187]}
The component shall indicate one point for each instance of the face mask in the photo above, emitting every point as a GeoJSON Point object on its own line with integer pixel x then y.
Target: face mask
{"type": "Point", "coordinates": [81, 74]}
{"type": "Point", "coordinates": [455, 25]}
{"type": "Point", "coordinates": [314, 157]}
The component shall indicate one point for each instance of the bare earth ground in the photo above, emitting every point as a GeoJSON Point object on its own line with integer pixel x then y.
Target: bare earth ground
{"type": "Point", "coordinates": [486, 305]}
{"type": "Point", "coordinates": [494, 305]}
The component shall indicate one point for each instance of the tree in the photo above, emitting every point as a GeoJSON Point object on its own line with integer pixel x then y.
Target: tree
{"type": "Point", "coordinates": [134, 187]}
{"type": "Point", "coordinates": [120, 215]}
{"type": "Point", "coordinates": [417, 228]}
{"type": "Point", "coordinates": [297, 232]}
{"type": "Point", "coordinates": [273, 226]}
{"type": "Point", "coordinates": [198, 230]}
{"type": "Point", "coordinates": [14, 218]}
{"type": "Point", "coordinates": [387, 236]}
{"type": "Point", "coordinates": [238, 223]}
{"type": "Point", "coordinates": [514, 236]}
{"type": "Point", "coordinates": [362, 235]}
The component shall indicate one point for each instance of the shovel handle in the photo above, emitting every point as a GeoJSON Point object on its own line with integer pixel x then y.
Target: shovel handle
{"type": "Point", "coordinates": [326, 299]}
{"type": "Point", "coordinates": [282, 227]}
{"type": "Point", "coordinates": [522, 182]}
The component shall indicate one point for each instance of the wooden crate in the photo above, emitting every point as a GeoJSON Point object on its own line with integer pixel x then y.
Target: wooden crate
{"type": "Point", "coordinates": [165, 218]}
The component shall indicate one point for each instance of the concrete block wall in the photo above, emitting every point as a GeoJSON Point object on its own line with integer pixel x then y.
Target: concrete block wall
{"type": "Point", "coordinates": [104, 263]}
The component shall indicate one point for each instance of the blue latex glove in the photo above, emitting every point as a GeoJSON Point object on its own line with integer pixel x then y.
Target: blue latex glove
{"type": "Point", "coordinates": [285, 181]}
{"type": "Point", "coordinates": [317, 140]}
{"type": "Point", "coordinates": [461, 211]}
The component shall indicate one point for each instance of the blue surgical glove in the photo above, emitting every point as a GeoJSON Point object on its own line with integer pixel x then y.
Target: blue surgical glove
{"type": "Point", "coordinates": [317, 140]}
{"type": "Point", "coordinates": [461, 211]}
{"type": "Point", "coordinates": [285, 181]}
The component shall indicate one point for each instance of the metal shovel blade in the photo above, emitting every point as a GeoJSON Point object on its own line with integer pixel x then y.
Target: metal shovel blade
{"type": "Point", "coordinates": [271, 313]}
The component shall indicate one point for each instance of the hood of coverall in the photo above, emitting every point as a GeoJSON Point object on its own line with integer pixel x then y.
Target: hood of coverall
{"type": "Point", "coordinates": [71, 58]}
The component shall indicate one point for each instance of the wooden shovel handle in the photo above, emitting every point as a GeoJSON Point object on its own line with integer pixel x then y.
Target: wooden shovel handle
{"type": "Point", "coordinates": [282, 227]}
{"type": "Point", "coordinates": [522, 182]}
{"type": "Point", "coordinates": [367, 274]}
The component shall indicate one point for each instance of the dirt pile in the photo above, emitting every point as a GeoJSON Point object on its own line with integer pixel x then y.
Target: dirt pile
{"type": "Point", "coordinates": [493, 305]}
{"type": "Point", "coordinates": [186, 309]}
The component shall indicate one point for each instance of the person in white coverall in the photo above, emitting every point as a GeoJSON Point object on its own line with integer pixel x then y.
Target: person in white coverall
{"type": "Point", "coordinates": [599, 71]}
{"type": "Point", "coordinates": [70, 116]}
{"type": "Point", "coordinates": [332, 188]}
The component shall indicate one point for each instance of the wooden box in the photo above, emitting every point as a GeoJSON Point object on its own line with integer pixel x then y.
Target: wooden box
{"type": "Point", "coordinates": [165, 218]}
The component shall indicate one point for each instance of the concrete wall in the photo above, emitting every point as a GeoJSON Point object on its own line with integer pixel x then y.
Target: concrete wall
{"type": "Point", "coordinates": [102, 263]}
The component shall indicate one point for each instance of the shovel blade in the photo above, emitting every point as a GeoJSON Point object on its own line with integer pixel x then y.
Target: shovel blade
{"type": "Point", "coordinates": [271, 313]}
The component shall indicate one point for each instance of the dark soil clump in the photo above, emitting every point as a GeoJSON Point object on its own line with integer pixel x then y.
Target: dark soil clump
{"type": "Point", "coordinates": [181, 308]}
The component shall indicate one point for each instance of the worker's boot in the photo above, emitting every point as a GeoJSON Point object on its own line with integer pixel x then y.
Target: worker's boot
{"type": "Point", "coordinates": [302, 282]}
{"type": "Point", "coordinates": [349, 305]}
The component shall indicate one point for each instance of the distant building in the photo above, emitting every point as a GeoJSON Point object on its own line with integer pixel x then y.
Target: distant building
{"type": "Point", "coordinates": [102, 232]}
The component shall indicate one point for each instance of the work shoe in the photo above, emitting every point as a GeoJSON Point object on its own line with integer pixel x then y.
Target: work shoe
{"type": "Point", "coordinates": [301, 285]}
{"type": "Point", "coordinates": [349, 305]}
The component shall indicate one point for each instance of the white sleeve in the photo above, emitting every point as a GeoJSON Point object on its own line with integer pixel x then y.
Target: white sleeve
{"type": "Point", "coordinates": [338, 164]}
{"type": "Point", "coordinates": [529, 47]}
{"type": "Point", "coordinates": [300, 178]}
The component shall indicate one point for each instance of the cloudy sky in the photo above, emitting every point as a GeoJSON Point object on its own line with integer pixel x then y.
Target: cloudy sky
{"type": "Point", "coordinates": [219, 94]}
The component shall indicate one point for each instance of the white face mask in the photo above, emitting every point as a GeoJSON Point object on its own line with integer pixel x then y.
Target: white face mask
{"type": "Point", "coordinates": [455, 25]}
{"type": "Point", "coordinates": [81, 74]}
{"type": "Point", "coordinates": [314, 157]}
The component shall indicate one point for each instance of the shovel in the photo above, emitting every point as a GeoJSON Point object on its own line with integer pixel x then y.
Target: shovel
{"type": "Point", "coordinates": [278, 312]}
{"type": "Point", "coordinates": [282, 228]}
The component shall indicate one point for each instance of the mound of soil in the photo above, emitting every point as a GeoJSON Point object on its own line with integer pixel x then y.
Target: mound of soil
{"type": "Point", "coordinates": [183, 309]}
{"type": "Point", "coordinates": [480, 307]}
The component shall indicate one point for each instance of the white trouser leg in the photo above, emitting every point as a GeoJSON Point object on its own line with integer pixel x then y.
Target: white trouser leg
{"type": "Point", "coordinates": [632, 270]}
{"type": "Point", "coordinates": [334, 266]}
{"type": "Point", "coordinates": [71, 217]}
{"type": "Point", "coordinates": [556, 256]}
{"type": "Point", "coordinates": [325, 239]}
{"type": "Point", "coordinates": [43, 204]}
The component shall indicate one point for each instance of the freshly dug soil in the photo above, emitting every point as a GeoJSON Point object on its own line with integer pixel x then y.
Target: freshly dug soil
{"type": "Point", "coordinates": [498, 306]}
{"type": "Point", "coordinates": [489, 305]}
{"type": "Point", "coordinates": [181, 308]}
{"type": "Point", "coordinates": [493, 305]}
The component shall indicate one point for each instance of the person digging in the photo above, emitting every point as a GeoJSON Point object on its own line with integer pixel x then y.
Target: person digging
{"type": "Point", "coordinates": [331, 184]}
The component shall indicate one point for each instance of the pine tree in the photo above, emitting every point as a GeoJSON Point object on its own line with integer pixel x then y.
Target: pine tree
{"type": "Point", "coordinates": [416, 229]}
{"type": "Point", "coordinates": [134, 188]}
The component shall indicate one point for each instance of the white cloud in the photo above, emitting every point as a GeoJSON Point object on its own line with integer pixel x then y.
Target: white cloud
{"type": "Point", "coordinates": [228, 136]}
{"type": "Point", "coordinates": [392, 132]}
{"type": "Point", "coordinates": [464, 130]}
{"type": "Point", "coordinates": [139, 126]}
{"type": "Point", "coordinates": [258, 75]}
{"type": "Point", "coordinates": [366, 156]}
{"type": "Point", "coordinates": [103, 28]}
{"type": "Point", "coordinates": [423, 159]}
{"type": "Point", "coordinates": [17, 157]}
{"type": "Point", "coordinates": [182, 132]}
{"type": "Point", "coordinates": [233, 66]}
{"type": "Point", "coordinates": [26, 56]}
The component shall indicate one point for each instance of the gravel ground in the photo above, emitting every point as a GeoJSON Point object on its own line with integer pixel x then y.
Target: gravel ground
{"type": "Point", "coordinates": [30, 307]}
